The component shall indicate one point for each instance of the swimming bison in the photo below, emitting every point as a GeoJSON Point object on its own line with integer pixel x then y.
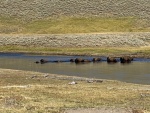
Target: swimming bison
{"type": "Point", "coordinates": [111, 60]}
{"type": "Point", "coordinates": [126, 59]}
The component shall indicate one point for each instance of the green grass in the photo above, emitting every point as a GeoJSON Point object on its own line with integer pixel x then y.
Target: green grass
{"type": "Point", "coordinates": [10, 25]}
{"type": "Point", "coordinates": [63, 25]}
{"type": "Point", "coordinates": [78, 51]}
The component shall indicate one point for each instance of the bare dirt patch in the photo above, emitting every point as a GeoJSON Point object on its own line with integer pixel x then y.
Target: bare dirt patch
{"type": "Point", "coordinates": [106, 110]}
{"type": "Point", "coordinates": [100, 110]}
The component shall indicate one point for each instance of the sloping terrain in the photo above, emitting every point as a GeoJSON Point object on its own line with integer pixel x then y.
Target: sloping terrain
{"type": "Point", "coordinates": [46, 8]}
{"type": "Point", "coordinates": [73, 16]}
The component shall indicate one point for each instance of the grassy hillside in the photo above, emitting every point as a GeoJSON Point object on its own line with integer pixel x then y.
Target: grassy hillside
{"type": "Point", "coordinates": [74, 16]}
{"type": "Point", "coordinates": [73, 25]}
{"type": "Point", "coordinates": [37, 9]}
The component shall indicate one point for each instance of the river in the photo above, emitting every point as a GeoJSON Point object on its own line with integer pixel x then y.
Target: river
{"type": "Point", "coordinates": [136, 72]}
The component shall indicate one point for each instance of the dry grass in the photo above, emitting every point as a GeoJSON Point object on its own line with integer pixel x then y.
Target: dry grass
{"type": "Point", "coordinates": [21, 93]}
{"type": "Point", "coordinates": [63, 25]}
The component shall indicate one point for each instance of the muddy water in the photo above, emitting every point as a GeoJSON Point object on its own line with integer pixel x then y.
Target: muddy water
{"type": "Point", "coordinates": [136, 72]}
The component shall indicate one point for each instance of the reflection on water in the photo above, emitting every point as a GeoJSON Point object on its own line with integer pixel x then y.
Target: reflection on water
{"type": "Point", "coordinates": [136, 72]}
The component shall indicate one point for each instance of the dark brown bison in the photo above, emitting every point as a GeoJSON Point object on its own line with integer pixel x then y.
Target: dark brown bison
{"type": "Point", "coordinates": [78, 60]}
{"type": "Point", "coordinates": [111, 60]}
{"type": "Point", "coordinates": [72, 60]}
{"type": "Point", "coordinates": [126, 59]}
{"type": "Point", "coordinates": [42, 61]}
{"type": "Point", "coordinates": [96, 59]}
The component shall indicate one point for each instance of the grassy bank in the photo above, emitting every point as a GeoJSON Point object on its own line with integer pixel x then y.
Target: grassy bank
{"type": "Point", "coordinates": [32, 92]}
{"type": "Point", "coordinates": [64, 25]}
{"type": "Point", "coordinates": [142, 51]}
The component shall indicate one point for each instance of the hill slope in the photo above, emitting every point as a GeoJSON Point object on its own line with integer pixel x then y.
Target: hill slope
{"type": "Point", "coordinates": [46, 8]}
{"type": "Point", "coordinates": [74, 16]}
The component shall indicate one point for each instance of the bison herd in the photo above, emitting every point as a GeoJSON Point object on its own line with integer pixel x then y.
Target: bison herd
{"type": "Point", "coordinates": [124, 59]}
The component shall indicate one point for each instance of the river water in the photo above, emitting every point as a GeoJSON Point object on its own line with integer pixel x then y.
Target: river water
{"type": "Point", "coordinates": [136, 72]}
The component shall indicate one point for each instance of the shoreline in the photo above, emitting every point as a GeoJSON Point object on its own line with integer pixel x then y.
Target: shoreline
{"type": "Point", "coordinates": [75, 54]}
{"type": "Point", "coordinates": [33, 92]}
{"type": "Point", "coordinates": [31, 75]}
{"type": "Point", "coordinates": [92, 44]}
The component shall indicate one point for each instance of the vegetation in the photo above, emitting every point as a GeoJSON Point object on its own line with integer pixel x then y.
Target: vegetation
{"type": "Point", "coordinates": [143, 51]}
{"type": "Point", "coordinates": [32, 92]}
{"type": "Point", "coordinates": [64, 25]}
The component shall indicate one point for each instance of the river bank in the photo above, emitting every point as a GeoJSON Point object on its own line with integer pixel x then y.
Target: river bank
{"type": "Point", "coordinates": [25, 91]}
{"type": "Point", "coordinates": [103, 44]}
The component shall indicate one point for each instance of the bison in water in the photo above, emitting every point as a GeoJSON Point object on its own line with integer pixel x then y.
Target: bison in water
{"type": "Point", "coordinates": [96, 59]}
{"type": "Point", "coordinates": [126, 59]}
{"type": "Point", "coordinates": [111, 60]}
{"type": "Point", "coordinates": [42, 61]}
{"type": "Point", "coordinates": [80, 60]}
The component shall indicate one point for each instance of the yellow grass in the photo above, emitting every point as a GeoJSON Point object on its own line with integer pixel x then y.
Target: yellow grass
{"type": "Point", "coordinates": [63, 25]}
{"type": "Point", "coordinates": [80, 51]}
